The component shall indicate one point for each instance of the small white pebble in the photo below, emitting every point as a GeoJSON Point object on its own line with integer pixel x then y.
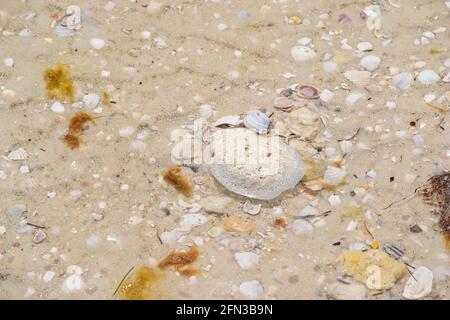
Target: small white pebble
{"type": "Point", "coordinates": [222, 26]}
{"type": "Point", "coordinates": [2, 230]}
{"type": "Point", "coordinates": [233, 75]}
{"type": "Point", "coordinates": [371, 174]}
{"type": "Point", "coordinates": [48, 276]}
{"type": "Point", "coordinates": [57, 107]}
{"type": "Point", "coordinates": [126, 131]}
{"type": "Point", "coordinates": [146, 34]}
{"type": "Point", "coordinates": [9, 62]}
{"type": "Point", "coordinates": [97, 43]}
{"type": "Point", "coordinates": [24, 169]}
{"type": "Point", "coordinates": [334, 200]}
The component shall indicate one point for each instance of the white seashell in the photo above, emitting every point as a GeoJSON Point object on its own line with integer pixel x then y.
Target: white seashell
{"type": "Point", "coordinates": [353, 97]}
{"type": "Point", "coordinates": [419, 285]}
{"type": "Point", "coordinates": [326, 95]}
{"type": "Point", "coordinates": [257, 121]}
{"type": "Point", "coordinates": [302, 53]}
{"type": "Point", "coordinates": [334, 200]}
{"type": "Point", "coordinates": [57, 107]}
{"type": "Point", "coordinates": [263, 167]}
{"type": "Point", "coordinates": [334, 176]}
{"type": "Point", "coordinates": [97, 43]}
{"type": "Point", "coordinates": [360, 78]}
{"type": "Point", "coordinates": [428, 77]}
{"type": "Point", "coordinates": [137, 145]}
{"type": "Point", "coordinates": [228, 120]}
{"type": "Point", "coordinates": [252, 209]}
{"type": "Point", "coordinates": [39, 236]}
{"type": "Point", "coordinates": [246, 260]}
{"type": "Point", "coordinates": [302, 227]}
{"type": "Point", "coordinates": [251, 289]}
{"type": "Point", "coordinates": [402, 80]}
{"type": "Point", "coordinates": [370, 63]}
{"type": "Point", "coordinates": [91, 100]}
{"type": "Point", "coordinates": [18, 154]}
{"type": "Point", "coordinates": [192, 220]}
{"type": "Point", "coordinates": [126, 131]}
{"type": "Point", "coordinates": [9, 62]}
{"type": "Point", "coordinates": [329, 66]}
{"type": "Point", "coordinates": [171, 237]}
{"type": "Point", "coordinates": [304, 41]}
{"type": "Point", "coordinates": [309, 211]}
{"type": "Point", "coordinates": [72, 19]}
{"type": "Point", "coordinates": [365, 46]}
{"type": "Point", "coordinates": [25, 33]}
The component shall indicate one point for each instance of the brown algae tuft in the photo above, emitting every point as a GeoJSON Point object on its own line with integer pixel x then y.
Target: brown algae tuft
{"type": "Point", "coordinates": [72, 137]}
{"type": "Point", "coordinates": [182, 262]}
{"type": "Point", "coordinates": [58, 84]}
{"type": "Point", "coordinates": [437, 193]}
{"type": "Point", "coordinates": [142, 285]}
{"type": "Point", "coordinates": [175, 177]}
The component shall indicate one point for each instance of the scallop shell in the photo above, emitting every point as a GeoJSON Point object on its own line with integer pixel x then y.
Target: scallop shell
{"type": "Point", "coordinates": [257, 121]}
{"type": "Point", "coordinates": [306, 91]}
{"type": "Point", "coordinates": [419, 285]}
{"type": "Point", "coordinates": [428, 77]}
{"type": "Point", "coordinates": [283, 103]}
{"type": "Point", "coordinates": [91, 100]}
{"type": "Point", "coordinates": [18, 154]}
{"type": "Point", "coordinates": [254, 172]}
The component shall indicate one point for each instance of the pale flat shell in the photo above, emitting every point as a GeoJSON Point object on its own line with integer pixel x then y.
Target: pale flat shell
{"type": "Point", "coordinates": [228, 120]}
{"type": "Point", "coordinates": [265, 178]}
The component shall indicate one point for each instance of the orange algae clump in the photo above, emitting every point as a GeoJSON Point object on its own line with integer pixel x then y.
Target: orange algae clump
{"type": "Point", "coordinates": [72, 137]}
{"type": "Point", "coordinates": [175, 177]}
{"type": "Point", "coordinates": [142, 285]}
{"type": "Point", "coordinates": [180, 259]}
{"type": "Point", "coordinates": [58, 84]}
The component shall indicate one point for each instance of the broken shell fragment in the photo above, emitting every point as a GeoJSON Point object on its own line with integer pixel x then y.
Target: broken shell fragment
{"type": "Point", "coordinates": [302, 53]}
{"type": "Point", "coordinates": [402, 80]}
{"type": "Point", "coordinates": [257, 121]}
{"type": "Point", "coordinates": [18, 154]}
{"type": "Point", "coordinates": [370, 63]}
{"type": "Point", "coordinates": [419, 285]}
{"type": "Point", "coordinates": [334, 176]}
{"type": "Point", "coordinates": [258, 167]}
{"type": "Point", "coordinates": [306, 91]}
{"type": "Point", "coordinates": [252, 209]}
{"type": "Point", "coordinates": [360, 78]}
{"type": "Point", "coordinates": [228, 121]}
{"type": "Point", "coordinates": [39, 236]}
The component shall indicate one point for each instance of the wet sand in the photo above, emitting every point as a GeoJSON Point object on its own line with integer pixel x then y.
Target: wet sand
{"type": "Point", "coordinates": [100, 205]}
